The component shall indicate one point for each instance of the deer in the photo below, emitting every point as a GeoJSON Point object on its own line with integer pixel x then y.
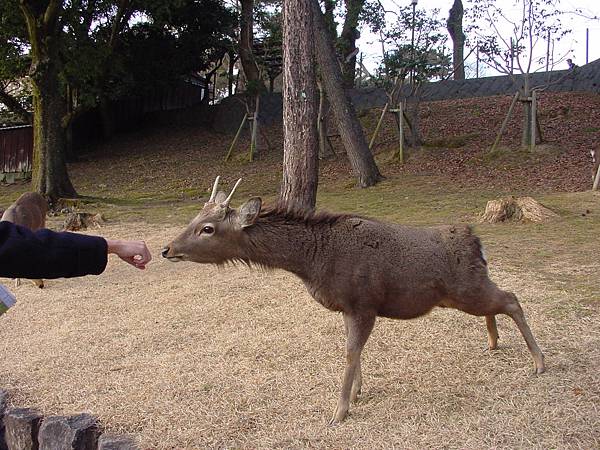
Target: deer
{"type": "Point", "coordinates": [361, 267]}
{"type": "Point", "coordinates": [29, 211]}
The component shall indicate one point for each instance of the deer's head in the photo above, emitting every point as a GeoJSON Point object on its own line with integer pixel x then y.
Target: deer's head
{"type": "Point", "coordinates": [216, 234]}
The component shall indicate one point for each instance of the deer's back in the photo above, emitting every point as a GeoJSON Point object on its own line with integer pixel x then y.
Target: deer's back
{"type": "Point", "coordinates": [400, 271]}
{"type": "Point", "coordinates": [29, 210]}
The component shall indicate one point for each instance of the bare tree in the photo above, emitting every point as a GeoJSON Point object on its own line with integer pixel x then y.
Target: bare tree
{"type": "Point", "coordinates": [517, 53]}
{"type": "Point", "coordinates": [251, 69]}
{"type": "Point", "coordinates": [300, 140]}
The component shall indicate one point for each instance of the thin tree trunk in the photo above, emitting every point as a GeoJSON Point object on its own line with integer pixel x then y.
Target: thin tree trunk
{"type": "Point", "coordinates": [300, 140]}
{"type": "Point", "coordinates": [525, 98]}
{"type": "Point", "coordinates": [348, 39]}
{"type": "Point", "coordinates": [455, 29]}
{"type": "Point", "coordinates": [251, 69]}
{"type": "Point", "coordinates": [230, 73]}
{"type": "Point", "coordinates": [325, 148]}
{"type": "Point", "coordinates": [353, 138]}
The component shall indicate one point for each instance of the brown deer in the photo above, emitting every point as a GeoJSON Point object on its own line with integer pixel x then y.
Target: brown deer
{"type": "Point", "coordinates": [355, 265]}
{"type": "Point", "coordinates": [29, 211]}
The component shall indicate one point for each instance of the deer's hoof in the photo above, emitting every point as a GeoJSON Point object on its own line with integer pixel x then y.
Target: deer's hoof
{"type": "Point", "coordinates": [338, 417]}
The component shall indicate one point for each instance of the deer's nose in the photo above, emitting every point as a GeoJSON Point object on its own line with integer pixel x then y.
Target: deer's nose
{"type": "Point", "coordinates": [164, 252]}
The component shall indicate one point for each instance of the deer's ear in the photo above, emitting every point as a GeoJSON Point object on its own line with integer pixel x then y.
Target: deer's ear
{"type": "Point", "coordinates": [249, 211]}
{"type": "Point", "coordinates": [220, 197]}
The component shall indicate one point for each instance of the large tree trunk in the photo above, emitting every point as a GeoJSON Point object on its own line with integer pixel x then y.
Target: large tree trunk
{"type": "Point", "coordinates": [50, 176]}
{"type": "Point", "coordinates": [249, 65]}
{"type": "Point", "coordinates": [300, 144]}
{"type": "Point", "coordinates": [353, 138]}
{"type": "Point", "coordinates": [347, 41]}
{"type": "Point", "coordinates": [455, 29]}
{"type": "Point", "coordinates": [325, 148]}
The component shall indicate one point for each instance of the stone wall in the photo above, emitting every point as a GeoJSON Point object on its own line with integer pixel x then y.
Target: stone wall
{"type": "Point", "coordinates": [28, 429]}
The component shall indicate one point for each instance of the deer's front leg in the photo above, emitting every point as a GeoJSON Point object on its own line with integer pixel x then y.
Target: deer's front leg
{"type": "Point", "coordinates": [358, 329]}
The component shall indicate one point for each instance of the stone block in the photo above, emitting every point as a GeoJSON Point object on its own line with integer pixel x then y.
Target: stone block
{"type": "Point", "coordinates": [3, 402]}
{"type": "Point", "coordinates": [79, 432]}
{"type": "Point", "coordinates": [117, 442]}
{"type": "Point", "coordinates": [21, 428]}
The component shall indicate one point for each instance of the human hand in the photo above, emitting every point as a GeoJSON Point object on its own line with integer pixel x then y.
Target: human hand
{"type": "Point", "coordinates": [132, 252]}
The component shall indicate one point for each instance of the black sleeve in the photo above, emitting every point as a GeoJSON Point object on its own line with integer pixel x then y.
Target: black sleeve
{"type": "Point", "coordinates": [46, 254]}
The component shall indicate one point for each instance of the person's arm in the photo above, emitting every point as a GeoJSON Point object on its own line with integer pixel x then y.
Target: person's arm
{"type": "Point", "coordinates": [47, 254]}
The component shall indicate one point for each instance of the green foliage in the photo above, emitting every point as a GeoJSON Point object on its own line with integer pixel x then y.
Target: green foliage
{"type": "Point", "coordinates": [115, 48]}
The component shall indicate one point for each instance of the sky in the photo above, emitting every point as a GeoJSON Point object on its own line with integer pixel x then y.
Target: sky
{"type": "Point", "coordinates": [573, 45]}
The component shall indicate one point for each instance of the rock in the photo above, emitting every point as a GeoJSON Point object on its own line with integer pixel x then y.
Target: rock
{"type": "Point", "coordinates": [3, 401]}
{"type": "Point", "coordinates": [79, 432]}
{"type": "Point", "coordinates": [117, 442]}
{"type": "Point", "coordinates": [21, 428]}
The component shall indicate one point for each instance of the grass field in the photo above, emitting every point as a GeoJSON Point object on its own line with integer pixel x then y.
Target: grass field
{"type": "Point", "coordinates": [190, 356]}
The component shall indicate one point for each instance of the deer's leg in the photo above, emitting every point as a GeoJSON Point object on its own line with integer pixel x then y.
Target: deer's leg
{"type": "Point", "coordinates": [513, 309]}
{"type": "Point", "coordinates": [357, 381]}
{"type": "Point", "coordinates": [358, 328]}
{"type": "Point", "coordinates": [492, 330]}
{"type": "Point", "coordinates": [17, 282]}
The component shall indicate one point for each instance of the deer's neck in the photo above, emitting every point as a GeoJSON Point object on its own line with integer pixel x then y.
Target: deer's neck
{"type": "Point", "coordinates": [295, 247]}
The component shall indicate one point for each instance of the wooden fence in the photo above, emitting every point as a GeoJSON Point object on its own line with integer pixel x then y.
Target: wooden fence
{"type": "Point", "coordinates": [16, 152]}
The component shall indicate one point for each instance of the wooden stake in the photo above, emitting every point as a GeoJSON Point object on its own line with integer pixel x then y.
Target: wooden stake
{"type": "Point", "coordinates": [237, 135]}
{"type": "Point", "coordinates": [596, 180]}
{"type": "Point", "coordinates": [400, 153]}
{"type": "Point", "coordinates": [254, 129]}
{"type": "Point", "coordinates": [376, 132]}
{"type": "Point", "coordinates": [505, 123]}
{"type": "Point", "coordinates": [533, 121]}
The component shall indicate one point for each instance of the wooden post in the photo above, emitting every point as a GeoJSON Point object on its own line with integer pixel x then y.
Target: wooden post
{"type": "Point", "coordinates": [400, 153]}
{"type": "Point", "coordinates": [533, 120]}
{"type": "Point", "coordinates": [254, 129]}
{"type": "Point", "coordinates": [237, 135]}
{"type": "Point", "coordinates": [376, 132]}
{"type": "Point", "coordinates": [503, 127]}
{"type": "Point", "coordinates": [596, 180]}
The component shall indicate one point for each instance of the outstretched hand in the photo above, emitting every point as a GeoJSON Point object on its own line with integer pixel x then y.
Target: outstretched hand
{"type": "Point", "coordinates": [135, 253]}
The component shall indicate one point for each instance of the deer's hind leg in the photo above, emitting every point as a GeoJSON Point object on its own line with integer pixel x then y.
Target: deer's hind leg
{"type": "Point", "coordinates": [489, 301]}
{"type": "Point", "coordinates": [357, 381]}
{"type": "Point", "coordinates": [492, 330]}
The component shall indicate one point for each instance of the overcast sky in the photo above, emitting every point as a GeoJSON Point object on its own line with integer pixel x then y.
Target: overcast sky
{"type": "Point", "coordinates": [573, 44]}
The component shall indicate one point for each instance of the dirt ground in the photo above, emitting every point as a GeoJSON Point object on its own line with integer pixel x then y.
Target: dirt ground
{"type": "Point", "coordinates": [190, 356]}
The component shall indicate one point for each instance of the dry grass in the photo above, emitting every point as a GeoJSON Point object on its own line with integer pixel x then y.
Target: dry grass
{"type": "Point", "coordinates": [190, 356]}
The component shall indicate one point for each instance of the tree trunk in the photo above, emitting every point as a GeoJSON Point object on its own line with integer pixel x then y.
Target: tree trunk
{"type": "Point", "coordinates": [353, 138]}
{"type": "Point", "coordinates": [347, 41]}
{"type": "Point", "coordinates": [455, 29]}
{"type": "Point", "coordinates": [525, 98]}
{"type": "Point", "coordinates": [300, 145]}
{"type": "Point", "coordinates": [230, 72]}
{"type": "Point", "coordinates": [325, 148]}
{"type": "Point", "coordinates": [249, 65]}
{"type": "Point", "coordinates": [50, 176]}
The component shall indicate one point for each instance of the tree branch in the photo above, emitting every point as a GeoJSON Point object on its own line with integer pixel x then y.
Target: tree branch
{"type": "Point", "coordinates": [15, 106]}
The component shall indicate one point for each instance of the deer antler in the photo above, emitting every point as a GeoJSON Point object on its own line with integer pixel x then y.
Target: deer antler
{"type": "Point", "coordinates": [228, 199]}
{"type": "Point", "coordinates": [214, 191]}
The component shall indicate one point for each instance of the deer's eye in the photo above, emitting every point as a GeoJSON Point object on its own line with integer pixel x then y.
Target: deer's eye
{"type": "Point", "coordinates": [207, 229]}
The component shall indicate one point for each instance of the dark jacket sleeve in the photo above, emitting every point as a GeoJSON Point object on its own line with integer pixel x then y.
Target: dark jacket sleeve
{"type": "Point", "coordinates": [47, 254]}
